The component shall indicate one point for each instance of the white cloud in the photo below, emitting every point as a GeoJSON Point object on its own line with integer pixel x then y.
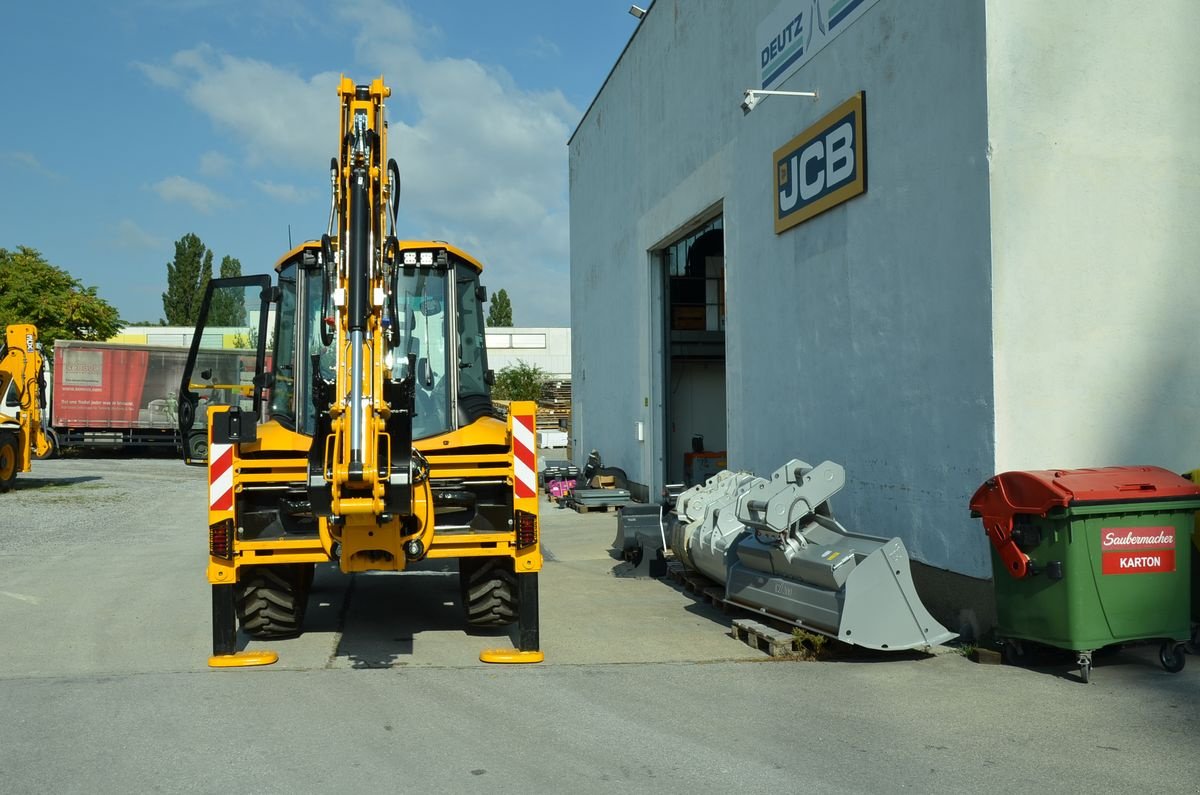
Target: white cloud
{"type": "Point", "coordinates": [30, 161]}
{"type": "Point", "coordinates": [543, 48]}
{"type": "Point", "coordinates": [214, 164]}
{"type": "Point", "coordinates": [131, 236]}
{"type": "Point", "coordinates": [285, 193]}
{"type": "Point", "coordinates": [481, 159]}
{"type": "Point", "coordinates": [200, 197]}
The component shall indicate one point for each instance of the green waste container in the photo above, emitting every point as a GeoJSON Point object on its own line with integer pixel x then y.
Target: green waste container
{"type": "Point", "coordinates": [1089, 558]}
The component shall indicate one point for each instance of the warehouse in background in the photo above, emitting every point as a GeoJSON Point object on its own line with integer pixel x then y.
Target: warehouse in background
{"type": "Point", "coordinates": [972, 252]}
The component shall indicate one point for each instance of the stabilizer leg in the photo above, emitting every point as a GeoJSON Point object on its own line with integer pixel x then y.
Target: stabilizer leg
{"type": "Point", "coordinates": [528, 641]}
{"type": "Point", "coordinates": [225, 654]}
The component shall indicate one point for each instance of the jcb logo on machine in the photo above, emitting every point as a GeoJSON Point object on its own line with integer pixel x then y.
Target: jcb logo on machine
{"type": "Point", "coordinates": [1137, 550]}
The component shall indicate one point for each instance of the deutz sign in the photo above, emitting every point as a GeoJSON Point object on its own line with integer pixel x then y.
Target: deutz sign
{"type": "Point", "coordinates": [823, 166]}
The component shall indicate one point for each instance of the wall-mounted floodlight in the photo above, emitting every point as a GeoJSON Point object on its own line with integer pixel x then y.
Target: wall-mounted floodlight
{"type": "Point", "coordinates": [753, 96]}
{"type": "Point", "coordinates": [637, 11]}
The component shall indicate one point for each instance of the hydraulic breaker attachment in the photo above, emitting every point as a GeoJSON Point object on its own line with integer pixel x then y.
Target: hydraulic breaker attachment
{"type": "Point", "coordinates": [641, 539]}
{"type": "Point", "coordinates": [776, 547]}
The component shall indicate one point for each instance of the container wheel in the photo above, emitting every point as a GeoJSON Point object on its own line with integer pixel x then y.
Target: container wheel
{"type": "Point", "coordinates": [1085, 672]}
{"type": "Point", "coordinates": [489, 591]}
{"type": "Point", "coordinates": [1172, 656]}
{"type": "Point", "coordinates": [1013, 652]}
{"type": "Point", "coordinates": [271, 600]}
{"type": "Point", "coordinates": [8, 460]}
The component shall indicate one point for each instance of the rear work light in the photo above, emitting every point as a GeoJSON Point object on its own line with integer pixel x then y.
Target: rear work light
{"type": "Point", "coordinates": [220, 539]}
{"type": "Point", "coordinates": [526, 529]}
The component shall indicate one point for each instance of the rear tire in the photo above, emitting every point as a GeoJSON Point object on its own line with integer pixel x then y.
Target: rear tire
{"type": "Point", "coordinates": [198, 447]}
{"type": "Point", "coordinates": [489, 591]}
{"type": "Point", "coordinates": [8, 460]}
{"type": "Point", "coordinates": [271, 600]}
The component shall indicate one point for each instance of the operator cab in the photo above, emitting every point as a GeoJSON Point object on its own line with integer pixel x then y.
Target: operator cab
{"type": "Point", "coordinates": [433, 329]}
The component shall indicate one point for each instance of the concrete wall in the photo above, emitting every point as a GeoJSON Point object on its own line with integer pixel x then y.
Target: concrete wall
{"type": "Point", "coordinates": [1093, 112]}
{"type": "Point", "coordinates": [862, 335]}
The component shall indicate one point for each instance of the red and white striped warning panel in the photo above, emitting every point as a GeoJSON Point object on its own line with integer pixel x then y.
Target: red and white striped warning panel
{"type": "Point", "coordinates": [1137, 550]}
{"type": "Point", "coordinates": [524, 457]}
{"type": "Point", "coordinates": [220, 477]}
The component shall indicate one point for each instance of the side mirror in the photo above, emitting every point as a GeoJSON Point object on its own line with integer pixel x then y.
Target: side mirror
{"type": "Point", "coordinates": [424, 374]}
{"type": "Point", "coordinates": [206, 374]}
{"type": "Point", "coordinates": [481, 294]}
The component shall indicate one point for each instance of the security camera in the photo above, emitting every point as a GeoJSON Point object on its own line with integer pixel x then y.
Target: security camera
{"type": "Point", "coordinates": [749, 100]}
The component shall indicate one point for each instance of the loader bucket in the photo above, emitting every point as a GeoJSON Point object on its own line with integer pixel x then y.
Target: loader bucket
{"type": "Point", "coordinates": [777, 548]}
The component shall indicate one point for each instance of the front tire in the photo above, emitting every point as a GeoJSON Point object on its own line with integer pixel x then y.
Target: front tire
{"type": "Point", "coordinates": [271, 600]}
{"type": "Point", "coordinates": [489, 591]}
{"type": "Point", "coordinates": [8, 460]}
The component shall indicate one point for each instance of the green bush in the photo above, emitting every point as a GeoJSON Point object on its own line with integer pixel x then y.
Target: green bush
{"type": "Point", "coordinates": [519, 381]}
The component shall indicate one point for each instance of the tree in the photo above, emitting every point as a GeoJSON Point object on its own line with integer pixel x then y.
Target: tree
{"type": "Point", "coordinates": [187, 278]}
{"type": "Point", "coordinates": [228, 308]}
{"type": "Point", "coordinates": [520, 381]}
{"type": "Point", "coordinates": [500, 312]}
{"type": "Point", "coordinates": [34, 291]}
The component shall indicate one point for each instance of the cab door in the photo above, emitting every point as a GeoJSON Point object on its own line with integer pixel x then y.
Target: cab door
{"type": "Point", "coordinates": [226, 361]}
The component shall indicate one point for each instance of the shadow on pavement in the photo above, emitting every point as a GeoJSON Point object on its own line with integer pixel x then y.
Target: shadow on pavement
{"type": "Point", "coordinates": [379, 613]}
{"type": "Point", "coordinates": [26, 483]}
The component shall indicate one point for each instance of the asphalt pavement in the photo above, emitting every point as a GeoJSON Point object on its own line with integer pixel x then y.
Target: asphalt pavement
{"type": "Point", "coordinates": [105, 633]}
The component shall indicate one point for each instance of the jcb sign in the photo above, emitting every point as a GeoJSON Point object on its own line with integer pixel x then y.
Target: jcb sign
{"type": "Point", "coordinates": [823, 166]}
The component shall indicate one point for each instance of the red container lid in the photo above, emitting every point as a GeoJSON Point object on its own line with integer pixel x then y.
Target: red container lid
{"type": "Point", "coordinates": [1039, 491]}
{"type": "Point", "coordinates": [1004, 496]}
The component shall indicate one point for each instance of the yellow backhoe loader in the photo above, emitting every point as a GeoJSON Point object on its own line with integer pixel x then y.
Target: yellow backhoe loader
{"type": "Point", "coordinates": [22, 398]}
{"type": "Point", "coordinates": [357, 426]}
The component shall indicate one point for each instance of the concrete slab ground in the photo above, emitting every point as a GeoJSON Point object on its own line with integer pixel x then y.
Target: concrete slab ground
{"type": "Point", "coordinates": [104, 634]}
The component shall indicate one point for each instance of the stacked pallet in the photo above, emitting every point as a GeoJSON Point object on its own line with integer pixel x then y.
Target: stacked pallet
{"type": "Point", "coordinates": [554, 406]}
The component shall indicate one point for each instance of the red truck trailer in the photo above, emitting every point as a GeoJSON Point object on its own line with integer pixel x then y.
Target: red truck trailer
{"type": "Point", "coordinates": [107, 394]}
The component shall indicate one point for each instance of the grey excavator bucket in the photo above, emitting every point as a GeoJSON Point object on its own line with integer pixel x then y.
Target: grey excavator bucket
{"type": "Point", "coordinates": [774, 544]}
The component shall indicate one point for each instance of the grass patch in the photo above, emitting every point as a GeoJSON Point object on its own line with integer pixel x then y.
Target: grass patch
{"type": "Point", "coordinates": [809, 645]}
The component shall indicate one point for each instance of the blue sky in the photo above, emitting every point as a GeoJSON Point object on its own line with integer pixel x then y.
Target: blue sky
{"type": "Point", "coordinates": [131, 123]}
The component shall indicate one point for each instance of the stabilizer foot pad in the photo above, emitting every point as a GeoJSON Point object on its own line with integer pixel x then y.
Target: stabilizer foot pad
{"type": "Point", "coordinates": [243, 659]}
{"type": "Point", "coordinates": [511, 656]}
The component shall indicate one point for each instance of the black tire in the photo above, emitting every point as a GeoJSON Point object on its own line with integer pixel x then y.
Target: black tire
{"type": "Point", "coordinates": [1172, 656]}
{"type": "Point", "coordinates": [489, 591]}
{"type": "Point", "coordinates": [271, 600]}
{"type": "Point", "coordinates": [198, 447]}
{"type": "Point", "coordinates": [8, 460]}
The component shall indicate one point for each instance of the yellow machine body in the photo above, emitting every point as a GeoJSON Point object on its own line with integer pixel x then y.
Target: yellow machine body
{"type": "Point", "coordinates": [361, 431]}
{"type": "Point", "coordinates": [22, 397]}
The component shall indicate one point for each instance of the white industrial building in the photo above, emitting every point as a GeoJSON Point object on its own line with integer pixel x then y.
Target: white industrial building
{"type": "Point", "coordinates": [546, 348]}
{"type": "Point", "coordinates": [974, 250]}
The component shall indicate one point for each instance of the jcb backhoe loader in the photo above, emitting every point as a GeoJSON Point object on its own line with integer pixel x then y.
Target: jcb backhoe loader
{"type": "Point", "coordinates": [362, 429]}
{"type": "Point", "coordinates": [22, 397]}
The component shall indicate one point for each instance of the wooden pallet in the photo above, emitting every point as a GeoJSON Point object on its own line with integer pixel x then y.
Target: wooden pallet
{"type": "Point", "coordinates": [767, 639]}
{"type": "Point", "coordinates": [594, 508]}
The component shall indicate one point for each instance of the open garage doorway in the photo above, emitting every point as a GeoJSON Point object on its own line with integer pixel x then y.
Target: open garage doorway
{"type": "Point", "coordinates": [693, 378]}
